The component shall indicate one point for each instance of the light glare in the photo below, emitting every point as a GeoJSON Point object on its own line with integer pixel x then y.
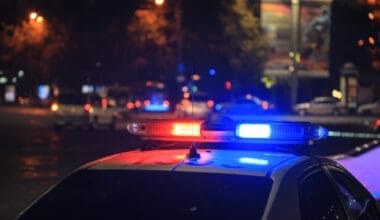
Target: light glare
{"type": "Point", "coordinates": [337, 94]}
{"type": "Point", "coordinates": [3, 80]}
{"type": "Point", "coordinates": [54, 107]}
{"type": "Point", "coordinates": [212, 72]}
{"type": "Point", "coordinates": [253, 131]}
{"type": "Point", "coordinates": [371, 40]}
{"type": "Point", "coordinates": [186, 129]}
{"type": "Point", "coordinates": [33, 15]}
{"type": "Point", "coordinates": [195, 77]}
{"type": "Point", "coordinates": [159, 2]}
{"type": "Point", "coordinates": [253, 161]}
{"type": "Point", "coordinates": [371, 16]}
{"type": "Point", "coordinates": [39, 19]}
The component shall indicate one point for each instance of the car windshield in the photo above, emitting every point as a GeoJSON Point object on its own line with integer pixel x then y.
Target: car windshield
{"type": "Point", "coordinates": [154, 194]}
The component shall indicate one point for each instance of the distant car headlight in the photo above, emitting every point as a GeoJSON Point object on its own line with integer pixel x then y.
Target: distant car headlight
{"type": "Point", "coordinates": [54, 107]}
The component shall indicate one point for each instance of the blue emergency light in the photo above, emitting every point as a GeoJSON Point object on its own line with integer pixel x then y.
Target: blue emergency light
{"type": "Point", "coordinates": [246, 130]}
{"type": "Point", "coordinates": [281, 131]}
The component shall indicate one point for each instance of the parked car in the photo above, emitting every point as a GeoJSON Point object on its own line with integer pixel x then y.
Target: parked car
{"type": "Point", "coordinates": [83, 111]}
{"type": "Point", "coordinates": [370, 108]}
{"type": "Point", "coordinates": [321, 106]}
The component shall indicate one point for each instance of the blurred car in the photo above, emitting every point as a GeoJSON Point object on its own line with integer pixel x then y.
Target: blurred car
{"type": "Point", "coordinates": [321, 106]}
{"type": "Point", "coordinates": [195, 106]}
{"type": "Point", "coordinates": [83, 111]}
{"type": "Point", "coordinates": [154, 103]}
{"type": "Point", "coordinates": [155, 97]}
{"type": "Point", "coordinates": [256, 181]}
{"type": "Point", "coordinates": [250, 105]}
{"type": "Point", "coordinates": [370, 108]}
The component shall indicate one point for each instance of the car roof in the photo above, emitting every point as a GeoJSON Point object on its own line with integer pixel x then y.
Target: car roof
{"type": "Point", "coordinates": [243, 162]}
{"type": "Point", "coordinates": [325, 98]}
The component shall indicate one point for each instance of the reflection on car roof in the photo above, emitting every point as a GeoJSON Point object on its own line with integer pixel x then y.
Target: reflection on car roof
{"type": "Point", "coordinates": [257, 163]}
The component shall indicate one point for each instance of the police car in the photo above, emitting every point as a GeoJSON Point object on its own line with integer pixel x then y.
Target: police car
{"type": "Point", "coordinates": [211, 169]}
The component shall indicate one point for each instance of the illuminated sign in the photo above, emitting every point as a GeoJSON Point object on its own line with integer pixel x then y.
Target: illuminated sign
{"type": "Point", "coordinates": [314, 38]}
{"type": "Point", "coordinates": [10, 93]}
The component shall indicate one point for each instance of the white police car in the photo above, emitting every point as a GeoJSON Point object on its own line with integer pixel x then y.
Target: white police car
{"type": "Point", "coordinates": [233, 170]}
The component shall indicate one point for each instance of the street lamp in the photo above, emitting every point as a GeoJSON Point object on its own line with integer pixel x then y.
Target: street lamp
{"type": "Point", "coordinates": [39, 19]}
{"type": "Point", "coordinates": [33, 15]}
{"type": "Point", "coordinates": [159, 2]}
{"type": "Point", "coordinates": [294, 54]}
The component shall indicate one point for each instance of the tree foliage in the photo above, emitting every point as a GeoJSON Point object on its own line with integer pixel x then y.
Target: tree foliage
{"type": "Point", "coordinates": [247, 44]}
{"type": "Point", "coordinates": [153, 42]}
{"type": "Point", "coordinates": [34, 45]}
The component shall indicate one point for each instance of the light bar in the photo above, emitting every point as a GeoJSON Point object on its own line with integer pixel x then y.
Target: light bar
{"type": "Point", "coordinates": [228, 131]}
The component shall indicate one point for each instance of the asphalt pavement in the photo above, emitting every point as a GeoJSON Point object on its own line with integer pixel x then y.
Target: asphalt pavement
{"type": "Point", "coordinates": [35, 157]}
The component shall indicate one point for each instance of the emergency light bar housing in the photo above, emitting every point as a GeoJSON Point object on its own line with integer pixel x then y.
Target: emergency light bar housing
{"type": "Point", "coordinates": [228, 131]}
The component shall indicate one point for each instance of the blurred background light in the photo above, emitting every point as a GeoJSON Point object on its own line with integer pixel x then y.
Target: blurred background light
{"type": "Point", "coordinates": [212, 72]}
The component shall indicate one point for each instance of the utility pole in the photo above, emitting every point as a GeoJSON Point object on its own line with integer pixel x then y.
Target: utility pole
{"type": "Point", "coordinates": [180, 67]}
{"type": "Point", "coordinates": [294, 54]}
{"type": "Point", "coordinates": [178, 17]}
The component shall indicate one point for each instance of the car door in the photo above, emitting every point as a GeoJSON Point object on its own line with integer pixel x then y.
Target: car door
{"type": "Point", "coordinates": [317, 107]}
{"type": "Point", "coordinates": [355, 198]}
{"type": "Point", "coordinates": [317, 197]}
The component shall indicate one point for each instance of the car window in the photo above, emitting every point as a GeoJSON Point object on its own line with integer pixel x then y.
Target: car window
{"type": "Point", "coordinates": [318, 200]}
{"type": "Point", "coordinates": [356, 200]}
{"type": "Point", "coordinates": [121, 194]}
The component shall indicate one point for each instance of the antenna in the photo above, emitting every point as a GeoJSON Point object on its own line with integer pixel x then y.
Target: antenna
{"type": "Point", "coordinates": [193, 154]}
